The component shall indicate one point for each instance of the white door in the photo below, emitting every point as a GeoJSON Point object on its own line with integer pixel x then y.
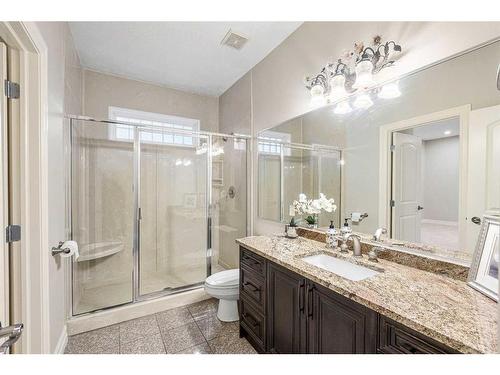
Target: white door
{"type": "Point", "coordinates": [406, 186]}
{"type": "Point", "coordinates": [483, 184]}
{"type": "Point", "coordinates": [4, 217]}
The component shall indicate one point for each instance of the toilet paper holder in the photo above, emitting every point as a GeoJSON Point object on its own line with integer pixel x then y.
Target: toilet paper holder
{"type": "Point", "coordinates": [60, 250]}
{"type": "Point", "coordinates": [361, 217]}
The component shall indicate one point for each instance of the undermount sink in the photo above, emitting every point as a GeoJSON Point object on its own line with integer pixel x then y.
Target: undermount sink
{"type": "Point", "coordinates": [340, 267]}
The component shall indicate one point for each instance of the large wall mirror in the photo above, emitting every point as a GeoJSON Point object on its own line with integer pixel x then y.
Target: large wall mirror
{"type": "Point", "coordinates": [424, 165]}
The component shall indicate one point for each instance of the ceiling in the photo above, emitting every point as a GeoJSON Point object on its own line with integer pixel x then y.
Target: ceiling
{"type": "Point", "coordinates": [187, 56]}
{"type": "Point", "coordinates": [436, 130]}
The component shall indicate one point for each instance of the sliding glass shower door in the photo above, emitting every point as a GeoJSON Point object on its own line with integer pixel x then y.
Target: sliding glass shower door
{"type": "Point", "coordinates": [172, 202]}
{"type": "Point", "coordinates": [102, 212]}
{"type": "Point", "coordinates": [154, 209]}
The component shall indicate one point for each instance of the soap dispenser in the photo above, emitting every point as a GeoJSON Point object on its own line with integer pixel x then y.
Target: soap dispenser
{"type": "Point", "coordinates": [331, 236]}
{"type": "Point", "coordinates": [346, 229]}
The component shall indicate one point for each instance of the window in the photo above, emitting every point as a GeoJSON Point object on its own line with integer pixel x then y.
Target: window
{"type": "Point", "coordinates": [270, 142]}
{"type": "Point", "coordinates": [162, 123]}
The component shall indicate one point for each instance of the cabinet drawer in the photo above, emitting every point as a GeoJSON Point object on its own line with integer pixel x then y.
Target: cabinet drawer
{"type": "Point", "coordinates": [253, 262]}
{"type": "Point", "coordinates": [252, 288]}
{"type": "Point", "coordinates": [253, 322]}
{"type": "Point", "coordinates": [394, 338]}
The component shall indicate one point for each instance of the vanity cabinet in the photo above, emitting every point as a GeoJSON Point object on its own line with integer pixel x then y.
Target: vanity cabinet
{"type": "Point", "coordinates": [394, 338]}
{"type": "Point", "coordinates": [284, 312]}
{"type": "Point", "coordinates": [337, 325]}
{"type": "Point", "coordinates": [286, 315]}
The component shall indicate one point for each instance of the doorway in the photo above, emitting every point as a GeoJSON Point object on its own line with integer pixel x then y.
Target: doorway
{"type": "Point", "coordinates": [425, 184]}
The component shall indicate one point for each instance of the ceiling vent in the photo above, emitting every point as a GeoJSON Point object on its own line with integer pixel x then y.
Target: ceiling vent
{"type": "Point", "coordinates": [234, 40]}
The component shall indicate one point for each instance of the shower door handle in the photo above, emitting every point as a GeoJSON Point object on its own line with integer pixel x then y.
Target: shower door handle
{"type": "Point", "coordinates": [209, 233]}
{"type": "Point", "coordinates": [139, 214]}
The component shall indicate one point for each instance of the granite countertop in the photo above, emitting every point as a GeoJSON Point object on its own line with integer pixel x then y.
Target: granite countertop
{"type": "Point", "coordinates": [440, 307]}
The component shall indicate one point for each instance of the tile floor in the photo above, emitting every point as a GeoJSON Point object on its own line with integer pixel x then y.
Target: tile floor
{"type": "Point", "coordinates": [193, 329]}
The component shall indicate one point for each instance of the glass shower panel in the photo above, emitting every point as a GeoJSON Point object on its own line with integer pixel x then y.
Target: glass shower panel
{"type": "Point", "coordinates": [173, 209]}
{"type": "Point", "coordinates": [293, 175]}
{"type": "Point", "coordinates": [229, 200]}
{"type": "Point", "coordinates": [269, 187]}
{"type": "Point", "coordinates": [102, 208]}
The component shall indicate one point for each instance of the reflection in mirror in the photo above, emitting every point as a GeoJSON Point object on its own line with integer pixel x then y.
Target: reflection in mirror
{"type": "Point", "coordinates": [423, 165]}
{"type": "Point", "coordinates": [288, 170]}
{"type": "Point", "coordinates": [425, 168]}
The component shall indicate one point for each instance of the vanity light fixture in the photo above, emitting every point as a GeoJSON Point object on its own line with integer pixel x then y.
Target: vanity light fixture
{"type": "Point", "coordinates": [342, 108]}
{"type": "Point", "coordinates": [337, 87]}
{"type": "Point", "coordinates": [364, 76]}
{"type": "Point", "coordinates": [390, 91]}
{"type": "Point", "coordinates": [355, 70]}
{"type": "Point", "coordinates": [318, 93]}
{"type": "Point", "coordinates": [363, 101]}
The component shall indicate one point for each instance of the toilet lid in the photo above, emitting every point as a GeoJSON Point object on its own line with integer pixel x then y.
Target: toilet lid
{"type": "Point", "coordinates": [224, 278]}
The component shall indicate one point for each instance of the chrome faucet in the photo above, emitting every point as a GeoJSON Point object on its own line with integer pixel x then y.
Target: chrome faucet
{"type": "Point", "coordinates": [378, 233]}
{"type": "Point", "coordinates": [356, 241]}
{"type": "Point", "coordinates": [373, 254]}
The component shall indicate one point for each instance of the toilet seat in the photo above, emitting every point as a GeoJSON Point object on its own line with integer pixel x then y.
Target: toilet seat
{"type": "Point", "coordinates": [224, 279]}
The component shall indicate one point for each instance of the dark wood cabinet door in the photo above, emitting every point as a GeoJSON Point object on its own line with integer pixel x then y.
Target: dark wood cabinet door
{"type": "Point", "coordinates": [337, 325]}
{"type": "Point", "coordinates": [285, 311]}
{"type": "Point", "coordinates": [395, 338]}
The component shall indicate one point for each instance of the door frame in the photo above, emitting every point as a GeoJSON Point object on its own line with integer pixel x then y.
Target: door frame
{"type": "Point", "coordinates": [33, 175]}
{"type": "Point", "coordinates": [385, 165]}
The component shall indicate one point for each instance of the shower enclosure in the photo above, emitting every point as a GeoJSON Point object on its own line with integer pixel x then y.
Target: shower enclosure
{"type": "Point", "coordinates": [154, 209]}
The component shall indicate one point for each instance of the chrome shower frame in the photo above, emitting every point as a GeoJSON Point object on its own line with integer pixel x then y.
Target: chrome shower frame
{"type": "Point", "coordinates": [202, 135]}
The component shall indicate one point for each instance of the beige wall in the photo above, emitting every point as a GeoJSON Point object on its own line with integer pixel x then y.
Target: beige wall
{"type": "Point", "coordinates": [64, 89]}
{"type": "Point", "coordinates": [277, 92]}
{"type": "Point", "coordinates": [441, 178]}
{"type": "Point", "coordinates": [103, 90]}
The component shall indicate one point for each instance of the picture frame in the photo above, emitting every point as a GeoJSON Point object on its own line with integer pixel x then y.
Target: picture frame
{"type": "Point", "coordinates": [483, 273]}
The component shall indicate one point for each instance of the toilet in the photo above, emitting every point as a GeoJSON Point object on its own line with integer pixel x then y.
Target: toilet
{"type": "Point", "coordinates": [224, 286]}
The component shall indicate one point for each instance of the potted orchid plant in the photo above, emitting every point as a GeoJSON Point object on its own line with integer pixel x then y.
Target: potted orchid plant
{"type": "Point", "coordinates": [312, 208]}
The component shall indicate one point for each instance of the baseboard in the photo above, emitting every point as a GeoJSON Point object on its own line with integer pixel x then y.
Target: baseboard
{"type": "Point", "coordinates": [62, 342]}
{"type": "Point", "coordinates": [100, 319]}
{"type": "Point", "coordinates": [440, 222]}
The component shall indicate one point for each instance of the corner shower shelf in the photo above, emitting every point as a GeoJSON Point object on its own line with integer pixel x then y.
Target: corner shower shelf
{"type": "Point", "coordinates": [99, 250]}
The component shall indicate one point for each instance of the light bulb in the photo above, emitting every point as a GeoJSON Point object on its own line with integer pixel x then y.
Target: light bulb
{"type": "Point", "coordinates": [337, 84]}
{"type": "Point", "coordinates": [317, 97]}
{"type": "Point", "coordinates": [363, 101]}
{"type": "Point", "coordinates": [364, 77]}
{"type": "Point", "coordinates": [390, 91]}
{"type": "Point", "coordinates": [342, 108]}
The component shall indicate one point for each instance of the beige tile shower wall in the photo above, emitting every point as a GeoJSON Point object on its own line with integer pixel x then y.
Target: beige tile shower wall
{"type": "Point", "coordinates": [276, 90]}
{"type": "Point", "coordinates": [235, 116]}
{"type": "Point", "coordinates": [102, 212]}
{"type": "Point", "coordinates": [232, 211]}
{"type": "Point", "coordinates": [173, 228]}
{"type": "Point", "coordinates": [104, 90]}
